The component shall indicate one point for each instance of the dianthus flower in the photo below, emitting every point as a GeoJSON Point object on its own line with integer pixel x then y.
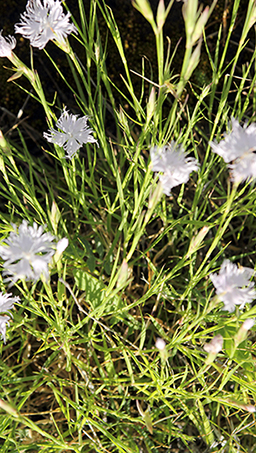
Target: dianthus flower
{"type": "Point", "coordinates": [42, 22]}
{"type": "Point", "coordinates": [7, 302]}
{"type": "Point", "coordinates": [27, 252]}
{"type": "Point", "coordinates": [173, 162]}
{"type": "Point", "coordinates": [238, 147]}
{"type": "Point", "coordinates": [6, 45]}
{"type": "Point", "coordinates": [73, 133]}
{"type": "Point", "coordinates": [3, 321]}
{"type": "Point", "coordinates": [233, 285]}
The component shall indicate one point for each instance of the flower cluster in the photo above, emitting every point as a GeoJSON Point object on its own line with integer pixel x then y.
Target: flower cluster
{"type": "Point", "coordinates": [233, 285]}
{"type": "Point", "coordinates": [28, 250]}
{"type": "Point", "coordinates": [173, 163]}
{"type": "Point", "coordinates": [6, 304]}
{"type": "Point", "coordinates": [238, 147]}
{"type": "Point", "coordinates": [42, 22]}
{"type": "Point", "coordinates": [73, 133]}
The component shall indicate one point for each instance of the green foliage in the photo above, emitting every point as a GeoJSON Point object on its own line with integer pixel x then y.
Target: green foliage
{"type": "Point", "coordinates": [80, 371]}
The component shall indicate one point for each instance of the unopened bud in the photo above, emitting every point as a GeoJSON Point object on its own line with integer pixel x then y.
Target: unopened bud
{"type": "Point", "coordinates": [189, 11]}
{"type": "Point", "coordinates": [194, 60]}
{"type": "Point", "coordinates": [7, 408]}
{"type": "Point", "coordinates": [242, 332]}
{"type": "Point", "coordinates": [160, 15]}
{"type": "Point", "coordinates": [123, 274]}
{"type": "Point", "coordinates": [252, 16]}
{"type": "Point", "coordinates": [143, 6]}
{"type": "Point", "coordinates": [247, 325]}
{"type": "Point", "coordinates": [55, 216]}
{"type": "Point", "coordinates": [249, 408]}
{"type": "Point", "coordinates": [3, 143]}
{"type": "Point", "coordinates": [123, 120]}
{"type": "Point", "coordinates": [155, 196]}
{"type": "Point", "coordinates": [151, 104]}
{"type": "Point", "coordinates": [246, 407]}
{"type": "Point", "coordinates": [160, 344]}
{"type": "Point", "coordinates": [199, 27]}
{"type": "Point", "coordinates": [197, 240]}
{"type": "Point", "coordinates": [62, 245]}
{"type": "Point", "coordinates": [215, 345]}
{"type": "Point", "coordinates": [97, 53]}
{"type": "Point", "coordinates": [213, 348]}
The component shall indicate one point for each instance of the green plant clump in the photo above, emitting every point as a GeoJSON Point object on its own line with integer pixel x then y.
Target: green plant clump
{"type": "Point", "coordinates": [127, 240]}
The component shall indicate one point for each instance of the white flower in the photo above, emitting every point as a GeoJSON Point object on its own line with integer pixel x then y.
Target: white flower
{"type": "Point", "coordinates": [7, 302]}
{"type": "Point", "coordinates": [74, 132]}
{"type": "Point", "coordinates": [171, 160]}
{"type": "Point", "coordinates": [238, 147]}
{"type": "Point", "coordinates": [6, 45]}
{"type": "Point", "coordinates": [41, 23]}
{"type": "Point", "coordinates": [3, 321]}
{"type": "Point", "coordinates": [233, 285]}
{"type": "Point", "coordinates": [27, 253]}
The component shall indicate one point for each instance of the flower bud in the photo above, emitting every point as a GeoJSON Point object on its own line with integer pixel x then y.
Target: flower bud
{"type": "Point", "coordinates": [247, 325]}
{"type": "Point", "coordinates": [213, 348]}
{"type": "Point", "coordinates": [160, 344]}
{"type": "Point", "coordinates": [62, 245]}
{"type": "Point", "coordinates": [194, 60]}
{"type": "Point", "coordinates": [189, 11]}
{"type": "Point", "coordinates": [55, 216]}
{"type": "Point", "coordinates": [143, 6]}
{"type": "Point", "coordinates": [160, 15]}
{"type": "Point", "coordinates": [197, 240]}
{"type": "Point", "coordinates": [151, 104]}
{"type": "Point", "coordinates": [3, 143]}
{"type": "Point", "coordinates": [242, 332]}
{"type": "Point", "coordinates": [123, 274]}
{"type": "Point", "coordinates": [215, 345]}
{"type": "Point", "coordinates": [199, 27]}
